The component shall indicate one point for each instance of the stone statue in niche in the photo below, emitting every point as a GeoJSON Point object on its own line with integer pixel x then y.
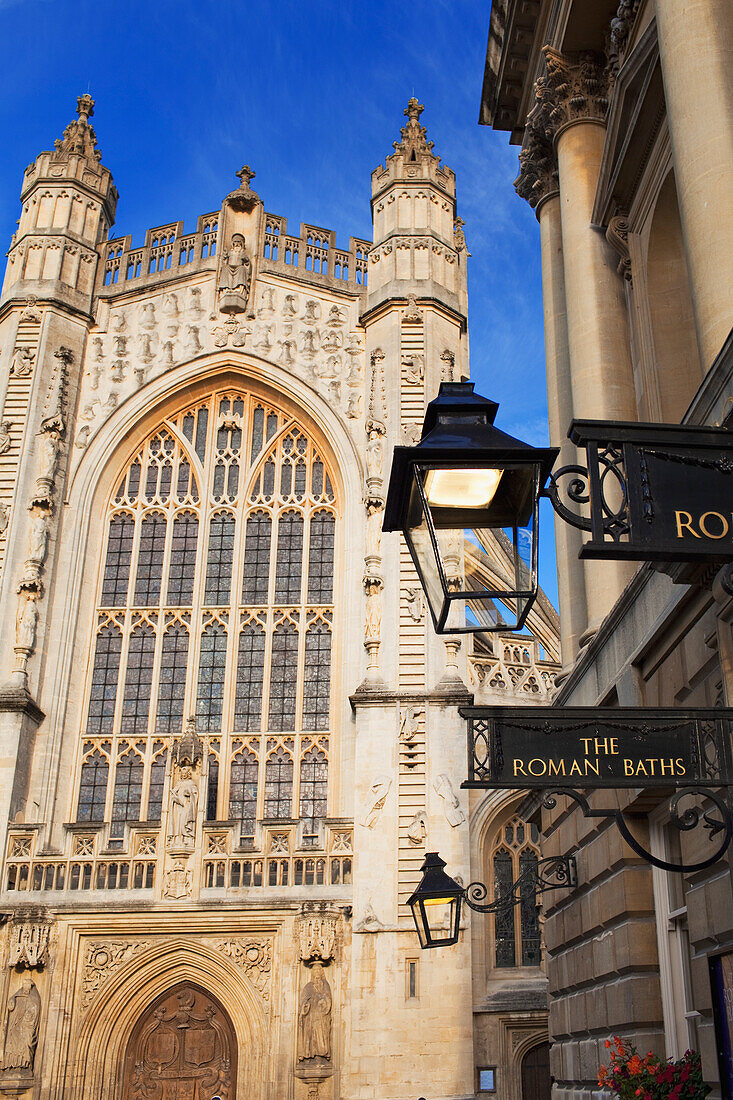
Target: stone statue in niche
{"type": "Point", "coordinates": [38, 538]}
{"type": "Point", "coordinates": [376, 798]}
{"type": "Point", "coordinates": [22, 362]}
{"type": "Point", "coordinates": [314, 1018]}
{"type": "Point", "coordinates": [373, 618]}
{"type": "Point", "coordinates": [21, 1028]}
{"type": "Point", "coordinates": [374, 455]}
{"type": "Point", "coordinates": [26, 622]}
{"type": "Point", "coordinates": [184, 805]}
{"type": "Point", "coordinates": [5, 440]}
{"type": "Point", "coordinates": [235, 277]}
{"type": "Point", "coordinates": [48, 454]}
{"type": "Point", "coordinates": [414, 369]}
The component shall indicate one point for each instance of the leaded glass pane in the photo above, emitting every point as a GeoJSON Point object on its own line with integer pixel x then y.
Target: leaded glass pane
{"type": "Point", "coordinates": [138, 681]}
{"type": "Point", "coordinates": [219, 560]}
{"type": "Point", "coordinates": [212, 788]}
{"type": "Point", "coordinates": [243, 791]}
{"type": "Point", "coordinates": [289, 564]}
{"type": "Point", "coordinates": [182, 569]}
{"type": "Point", "coordinates": [105, 674]}
{"type": "Point", "coordinates": [172, 686]}
{"type": "Point", "coordinates": [212, 666]}
{"type": "Point", "coordinates": [128, 792]}
{"type": "Point", "coordinates": [320, 558]}
{"type": "Point", "coordinates": [528, 911]}
{"type": "Point", "coordinates": [117, 565]}
{"type": "Point", "coordinates": [283, 678]}
{"type": "Point", "coordinates": [504, 917]}
{"type": "Point", "coordinates": [93, 787]}
{"type": "Point", "coordinates": [313, 789]}
{"type": "Point", "coordinates": [157, 780]}
{"type": "Point", "coordinates": [278, 784]}
{"type": "Point", "coordinates": [256, 579]}
{"type": "Point", "coordinates": [317, 686]}
{"type": "Point", "coordinates": [150, 560]}
{"type": "Point", "coordinates": [250, 677]}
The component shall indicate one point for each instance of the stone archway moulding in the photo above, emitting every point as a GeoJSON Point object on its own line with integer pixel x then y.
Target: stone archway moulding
{"type": "Point", "coordinates": [98, 1050]}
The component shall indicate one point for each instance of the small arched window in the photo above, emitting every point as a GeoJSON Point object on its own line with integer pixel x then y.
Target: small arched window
{"type": "Point", "coordinates": [516, 928]}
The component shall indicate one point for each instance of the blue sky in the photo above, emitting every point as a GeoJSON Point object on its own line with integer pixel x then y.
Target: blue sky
{"type": "Point", "coordinates": [310, 93]}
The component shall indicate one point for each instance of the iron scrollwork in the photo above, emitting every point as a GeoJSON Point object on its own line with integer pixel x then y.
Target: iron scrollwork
{"type": "Point", "coordinates": [551, 873]}
{"type": "Point", "coordinates": [602, 485]}
{"type": "Point", "coordinates": [683, 819]}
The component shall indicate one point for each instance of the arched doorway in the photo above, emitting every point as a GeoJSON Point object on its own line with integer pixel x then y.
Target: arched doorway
{"type": "Point", "coordinates": [182, 1048]}
{"type": "Point", "coordinates": [536, 1083]}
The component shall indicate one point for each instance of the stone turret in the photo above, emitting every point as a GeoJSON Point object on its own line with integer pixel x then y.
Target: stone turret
{"type": "Point", "coordinates": [69, 203]}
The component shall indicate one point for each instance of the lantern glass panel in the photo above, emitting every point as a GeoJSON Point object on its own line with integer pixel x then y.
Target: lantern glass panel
{"type": "Point", "coordinates": [476, 551]}
{"type": "Point", "coordinates": [436, 920]}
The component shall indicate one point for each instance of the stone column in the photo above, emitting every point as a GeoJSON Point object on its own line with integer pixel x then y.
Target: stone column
{"type": "Point", "coordinates": [598, 338]}
{"type": "Point", "coordinates": [538, 184]}
{"type": "Point", "coordinates": [696, 51]}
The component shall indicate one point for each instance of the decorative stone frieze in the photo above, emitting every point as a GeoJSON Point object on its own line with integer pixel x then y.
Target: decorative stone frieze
{"type": "Point", "coordinates": [253, 956]}
{"type": "Point", "coordinates": [537, 177]}
{"type": "Point", "coordinates": [618, 36]}
{"type": "Point", "coordinates": [317, 932]}
{"type": "Point", "coordinates": [102, 960]}
{"type": "Point", "coordinates": [29, 944]}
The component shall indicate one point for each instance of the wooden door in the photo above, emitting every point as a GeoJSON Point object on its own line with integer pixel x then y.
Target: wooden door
{"type": "Point", "coordinates": [536, 1083]}
{"type": "Point", "coordinates": [182, 1048]}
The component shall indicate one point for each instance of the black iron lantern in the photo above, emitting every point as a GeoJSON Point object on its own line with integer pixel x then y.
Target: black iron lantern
{"type": "Point", "coordinates": [466, 498]}
{"type": "Point", "coordinates": [436, 904]}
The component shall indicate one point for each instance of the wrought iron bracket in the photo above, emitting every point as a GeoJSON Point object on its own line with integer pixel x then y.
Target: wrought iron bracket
{"type": "Point", "coordinates": [682, 818]}
{"type": "Point", "coordinates": [551, 873]}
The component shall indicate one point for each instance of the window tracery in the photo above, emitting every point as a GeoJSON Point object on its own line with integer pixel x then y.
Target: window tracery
{"type": "Point", "coordinates": [216, 597]}
{"type": "Point", "coordinates": [514, 850]}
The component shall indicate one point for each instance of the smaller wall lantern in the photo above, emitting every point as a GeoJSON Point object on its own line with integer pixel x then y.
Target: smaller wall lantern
{"type": "Point", "coordinates": [466, 499]}
{"type": "Point", "coordinates": [436, 904]}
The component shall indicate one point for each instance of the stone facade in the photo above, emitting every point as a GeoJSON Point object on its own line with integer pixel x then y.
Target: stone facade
{"type": "Point", "coordinates": [625, 116]}
{"type": "Point", "coordinates": [214, 806]}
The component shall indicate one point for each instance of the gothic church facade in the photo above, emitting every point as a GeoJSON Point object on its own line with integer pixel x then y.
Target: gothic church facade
{"type": "Point", "coordinates": [228, 729]}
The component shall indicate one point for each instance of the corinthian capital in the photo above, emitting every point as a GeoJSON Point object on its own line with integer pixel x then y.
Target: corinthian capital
{"type": "Point", "coordinates": [537, 161]}
{"type": "Point", "coordinates": [577, 84]}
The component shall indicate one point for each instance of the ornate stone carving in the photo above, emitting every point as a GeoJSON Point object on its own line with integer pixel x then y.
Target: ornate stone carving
{"type": "Point", "coordinates": [412, 313]}
{"type": "Point", "coordinates": [25, 624]}
{"type": "Point", "coordinates": [537, 177]}
{"type": "Point", "coordinates": [5, 440]}
{"type": "Point", "coordinates": [577, 85]}
{"type": "Point", "coordinates": [4, 518]}
{"type": "Point", "coordinates": [617, 235]}
{"type": "Point", "coordinates": [30, 313]}
{"type": "Point", "coordinates": [314, 1019]}
{"type": "Point", "coordinates": [254, 957]}
{"type": "Point", "coordinates": [459, 237]}
{"type": "Point", "coordinates": [618, 36]}
{"type": "Point", "coordinates": [375, 800]}
{"type": "Point", "coordinates": [244, 198]}
{"type": "Point", "coordinates": [79, 137]}
{"type": "Point", "coordinates": [417, 830]}
{"type": "Point", "coordinates": [370, 922]}
{"type": "Point", "coordinates": [29, 942]}
{"type": "Point", "coordinates": [443, 787]}
{"type": "Point", "coordinates": [38, 533]}
{"type": "Point", "coordinates": [413, 599]}
{"type": "Point", "coordinates": [54, 413]}
{"type": "Point", "coordinates": [448, 360]}
{"type": "Point", "coordinates": [21, 1027]}
{"type": "Point", "coordinates": [414, 369]}
{"type": "Point", "coordinates": [178, 881]}
{"type": "Point", "coordinates": [22, 362]}
{"type": "Point", "coordinates": [102, 960]}
{"type": "Point", "coordinates": [413, 136]}
{"type": "Point", "coordinates": [409, 722]}
{"type": "Point", "coordinates": [187, 749]}
{"type": "Point", "coordinates": [316, 932]}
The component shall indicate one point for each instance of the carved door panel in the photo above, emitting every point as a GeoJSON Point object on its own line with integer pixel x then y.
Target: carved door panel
{"type": "Point", "coordinates": [182, 1048]}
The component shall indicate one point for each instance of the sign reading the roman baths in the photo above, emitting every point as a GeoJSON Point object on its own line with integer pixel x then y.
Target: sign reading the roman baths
{"type": "Point", "coordinates": [657, 492]}
{"type": "Point", "coordinates": [591, 747]}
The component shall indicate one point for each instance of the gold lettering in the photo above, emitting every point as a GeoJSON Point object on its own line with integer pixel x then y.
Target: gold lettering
{"type": "Point", "coordinates": [709, 534]}
{"type": "Point", "coordinates": [640, 769]}
{"type": "Point", "coordinates": [542, 764]}
{"type": "Point", "coordinates": [614, 746]}
{"type": "Point", "coordinates": [590, 766]}
{"type": "Point", "coordinates": [519, 767]}
{"type": "Point", "coordinates": [575, 768]}
{"type": "Point", "coordinates": [687, 523]}
{"type": "Point", "coordinates": [681, 769]}
{"type": "Point", "coordinates": [628, 767]}
{"type": "Point", "coordinates": [557, 768]}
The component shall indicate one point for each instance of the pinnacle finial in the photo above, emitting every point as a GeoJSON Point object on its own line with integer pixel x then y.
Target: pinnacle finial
{"type": "Point", "coordinates": [414, 109]}
{"type": "Point", "coordinates": [85, 107]}
{"type": "Point", "coordinates": [245, 174]}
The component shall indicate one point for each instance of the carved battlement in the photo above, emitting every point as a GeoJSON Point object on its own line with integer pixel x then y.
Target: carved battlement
{"type": "Point", "coordinates": [514, 670]}
{"type": "Point", "coordinates": [168, 252]}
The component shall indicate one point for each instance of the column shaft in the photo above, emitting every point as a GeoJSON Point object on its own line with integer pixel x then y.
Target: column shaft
{"type": "Point", "coordinates": [570, 582]}
{"type": "Point", "coordinates": [598, 338]}
{"type": "Point", "coordinates": [696, 50]}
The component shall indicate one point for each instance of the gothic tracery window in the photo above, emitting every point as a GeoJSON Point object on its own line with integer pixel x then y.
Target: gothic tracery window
{"type": "Point", "coordinates": [516, 940]}
{"type": "Point", "coordinates": [216, 599]}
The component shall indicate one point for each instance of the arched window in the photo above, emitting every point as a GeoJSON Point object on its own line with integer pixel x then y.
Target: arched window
{"type": "Point", "coordinates": [216, 599]}
{"type": "Point", "coordinates": [516, 928]}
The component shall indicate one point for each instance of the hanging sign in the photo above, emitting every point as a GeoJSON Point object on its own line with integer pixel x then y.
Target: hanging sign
{"type": "Point", "coordinates": [589, 747]}
{"type": "Point", "coordinates": [655, 492]}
